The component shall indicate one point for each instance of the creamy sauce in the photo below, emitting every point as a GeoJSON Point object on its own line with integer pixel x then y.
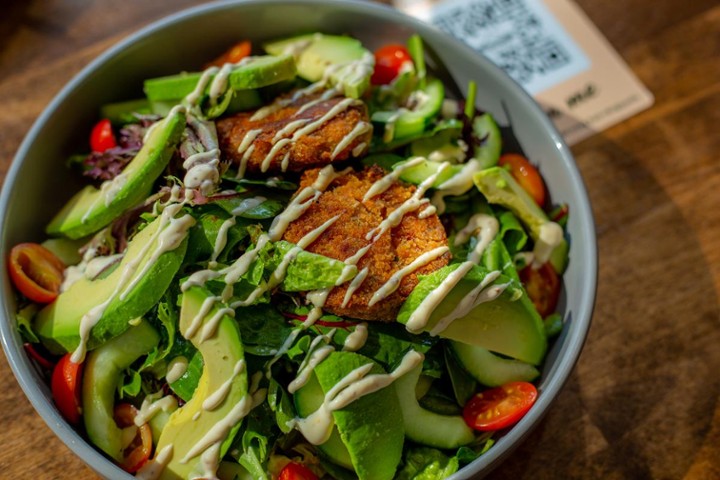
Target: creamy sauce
{"type": "Point", "coordinates": [393, 282]}
{"type": "Point", "coordinates": [388, 180]}
{"type": "Point", "coordinates": [219, 432]}
{"type": "Point", "coordinates": [313, 358]}
{"type": "Point", "coordinates": [215, 399]}
{"type": "Point", "coordinates": [221, 240]}
{"type": "Point", "coordinates": [354, 285]}
{"type": "Point", "coordinates": [153, 468]}
{"type": "Point", "coordinates": [356, 340]}
{"type": "Point", "coordinates": [482, 226]}
{"type": "Point", "coordinates": [154, 404]}
{"type": "Point", "coordinates": [317, 427]}
{"type": "Point", "coordinates": [359, 129]}
{"type": "Point", "coordinates": [176, 369]}
{"type": "Point", "coordinates": [98, 265]}
{"type": "Point", "coordinates": [458, 184]}
{"type": "Point", "coordinates": [551, 235]}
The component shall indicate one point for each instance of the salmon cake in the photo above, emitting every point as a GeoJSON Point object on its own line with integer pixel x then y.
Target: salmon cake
{"type": "Point", "coordinates": [296, 132]}
{"type": "Point", "coordinates": [390, 250]}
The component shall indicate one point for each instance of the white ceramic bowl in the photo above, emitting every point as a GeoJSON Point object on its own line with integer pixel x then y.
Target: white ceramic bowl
{"type": "Point", "coordinates": [190, 37]}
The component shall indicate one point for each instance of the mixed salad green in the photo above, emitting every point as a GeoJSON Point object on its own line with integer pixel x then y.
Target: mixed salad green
{"type": "Point", "coordinates": [186, 337]}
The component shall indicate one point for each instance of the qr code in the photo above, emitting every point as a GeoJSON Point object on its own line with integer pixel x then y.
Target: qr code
{"type": "Point", "coordinates": [520, 36]}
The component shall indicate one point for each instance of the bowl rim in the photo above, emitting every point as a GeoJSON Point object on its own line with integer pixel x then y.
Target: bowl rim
{"type": "Point", "coordinates": [23, 369]}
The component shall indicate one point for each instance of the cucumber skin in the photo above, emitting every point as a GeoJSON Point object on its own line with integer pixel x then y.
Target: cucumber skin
{"type": "Point", "coordinates": [102, 370]}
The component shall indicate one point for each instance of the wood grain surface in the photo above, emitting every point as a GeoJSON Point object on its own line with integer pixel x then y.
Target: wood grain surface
{"type": "Point", "coordinates": [643, 401]}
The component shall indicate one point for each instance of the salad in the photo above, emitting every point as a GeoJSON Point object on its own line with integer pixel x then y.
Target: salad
{"type": "Point", "coordinates": [305, 260]}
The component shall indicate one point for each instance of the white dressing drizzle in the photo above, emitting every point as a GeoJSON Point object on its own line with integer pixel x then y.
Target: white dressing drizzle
{"type": "Point", "coordinates": [551, 235]}
{"type": "Point", "coordinates": [98, 265]}
{"type": "Point", "coordinates": [393, 282]}
{"type": "Point", "coordinates": [215, 399]}
{"type": "Point", "coordinates": [313, 358]}
{"type": "Point", "coordinates": [483, 226]}
{"type": "Point", "coordinates": [388, 180]}
{"type": "Point", "coordinates": [221, 429]}
{"type": "Point", "coordinates": [176, 369]}
{"type": "Point", "coordinates": [458, 184]}
{"type": "Point", "coordinates": [221, 240]}
{"type": "Point", "coordinates": [152, 469]}
{"type": "Point", "coordinates": [354, 285]}
{"type": "Point", "coordinates": [475, 297]}
{"type": "Point", "coordinates": [248, 204]}
{"type": "Point", "coordinates": [246, 149]}
{"type": "Point", "coordinates": [356, 340]}
{"type": "Point", "coordinates": [317, 427]}
{"type": "Point", "coordinates": [359, 129]}
{"type": "Point", "coordinates": [152, 405]}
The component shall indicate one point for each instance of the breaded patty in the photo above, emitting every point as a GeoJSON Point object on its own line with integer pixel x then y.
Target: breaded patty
{"type": "Point", "coordinates": [393, 250]}
{"type": "Point", "coordinates": [295, 133]}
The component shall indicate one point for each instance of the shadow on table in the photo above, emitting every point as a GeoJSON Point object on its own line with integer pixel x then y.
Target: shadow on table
{"type": "Point", "coordinates": [641, 400]}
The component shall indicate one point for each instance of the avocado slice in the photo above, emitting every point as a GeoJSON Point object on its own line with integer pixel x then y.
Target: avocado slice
{"type": "Point", "coordinates": [499, 187]}
{"type": "Point", "coordinates": [426, 427]}
{"type": "Point", "coordinates": [92, 209]}
{"type": "Point", "coordinates": [194, 428]}
{"type": "Point", "coordinates": [103, 368]}
{"type": "Point", "coordinates": [344, 58]}
{"type": "Point", "coordinates": [367, 427]}
{"type": "Point", "coordinates": [58, 324]}
{"type": "Point", "coordinates": [254, 73]}
{"type": "Point", "coordinates": [508, 325]}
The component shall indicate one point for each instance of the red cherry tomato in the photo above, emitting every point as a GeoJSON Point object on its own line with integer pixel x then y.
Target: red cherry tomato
{"type": "Point", "coordinates": [526, 175]}
{"type": "Point", "coordinates": [543, 287]}
{"type": "Point", "coordinates": [102, 137]}
{"type": "Point", "coordinates": [234, 54]}
{"type": "Point", "coordinates": [499, 407]}
{"type": "Point", "coordinates": [36, 272]}
{"type": "Point", "coordinates": [296, 471]}
{"type": "Point", "coordinates": [65, 386]}
{"type": "Point", "coordinates": [138, 452]}
{"type": "Point", "coordinates": [389, 61]}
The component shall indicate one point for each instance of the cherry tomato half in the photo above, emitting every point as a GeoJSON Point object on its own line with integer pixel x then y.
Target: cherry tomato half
{"type": "Point", "coordinates": [65, 386]}
{"type": "Point", "coordinates": [499, 407]}
{"type": "Point", "coordinates": [102, 137]}
{"type": "Point", "coordinates": [543, 287]}
{"type": "Point", "coordinates": [296, 471]}
{"type": "Point", "coordinates": [138, 452]}
{"type": "Point", "coordinates": [389, 61]}
{"type": "Point", "coordinates": [526, 175]}
{"type": "Point", "coordinates": [234, 54]}
{"type": "Point", "coordinates": [36, 272]}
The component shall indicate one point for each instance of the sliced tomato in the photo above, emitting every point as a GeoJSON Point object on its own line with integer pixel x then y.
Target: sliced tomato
{"type": "Point", "coordinates": [38, 357]}
{"type": "Point", "coordinates": [138, 451]}
{"type": "Point", "coordinates": [389, 61]}
{"type": "Point", "coordinates": [296, 471]}
{"type": "Point", "coordinates": [543, 287]}
{"type": "Point", "coordinates": [234, 54]}
{"type": "Point", "coordinates": [499, 407]}
{"type": "Point", "coordinates": [65, 386]}
{"type": "Point", "coordinates": [36, 272]}
{"type": "Point", "coordinates": [102, 137]}
{"type": "Point", "coordinates": [526, 175]}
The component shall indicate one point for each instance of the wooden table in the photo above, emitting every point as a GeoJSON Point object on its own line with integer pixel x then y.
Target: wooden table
{"type": "Point", "coordinates": [643, 400]}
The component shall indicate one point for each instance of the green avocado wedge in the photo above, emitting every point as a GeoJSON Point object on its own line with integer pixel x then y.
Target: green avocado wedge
{"type": "Point", "coordinates": [368, 427]}
{"type": "Point", "coordinates": [508, 325]}
{"type": "Point", "coordinates": [58, 324]}
{"type": "Point", "coordinates": [103, 370]}
{"type": "Point", "coordinates": [249, 74]}
{"type": "Point", "coordinates": [343, 59]}
{"type": "Point", "coordinates": [203, 429]}
{"type": "Point", "coordinates": [92, 209]}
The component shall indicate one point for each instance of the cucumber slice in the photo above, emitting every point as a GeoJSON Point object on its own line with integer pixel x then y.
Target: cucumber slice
{"type": "Point", "coordinates": [490, 369]}
{"type": "Point", "coordinates": [424, 169]}
{"type": "Point", "coordinates": [485, 128]}
{"type": "Point", "coordinates": [426, 427]}
{"type": "Point", "coordinates": [405, 123]}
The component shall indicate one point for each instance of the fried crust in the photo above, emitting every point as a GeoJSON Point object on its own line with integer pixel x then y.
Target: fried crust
{"type": "Point", "coordinates": [313, 149]}
{"type": "Point", "coordinates": [392, 251]}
